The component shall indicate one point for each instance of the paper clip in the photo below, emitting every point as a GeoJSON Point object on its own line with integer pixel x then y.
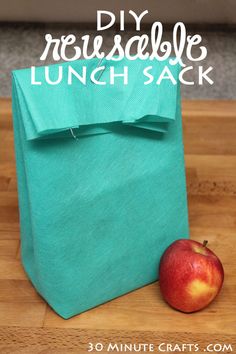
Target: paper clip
{"type": "Point", "coordinates": [73, 134]}
{"type": "Point", "coordinates": [101, 72]}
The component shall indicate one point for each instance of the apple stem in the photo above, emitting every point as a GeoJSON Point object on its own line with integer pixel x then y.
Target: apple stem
{"type": "Point", "coordinates": [205, 242]}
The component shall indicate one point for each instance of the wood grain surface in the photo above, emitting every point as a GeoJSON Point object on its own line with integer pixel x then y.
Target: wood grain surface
{"type": "Point", "coordinates": [28, 325]}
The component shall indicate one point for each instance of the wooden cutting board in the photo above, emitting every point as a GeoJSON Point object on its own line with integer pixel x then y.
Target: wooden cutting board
{"type": "Point", "coordinates": [28, 325]}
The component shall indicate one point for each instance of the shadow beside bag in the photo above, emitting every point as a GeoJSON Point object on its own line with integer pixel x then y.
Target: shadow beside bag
{"type": "Point", "coordinates": [101, 181]}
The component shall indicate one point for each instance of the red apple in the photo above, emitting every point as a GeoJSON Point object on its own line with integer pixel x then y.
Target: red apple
{"type": "Point", "coordinates": [190, 275]}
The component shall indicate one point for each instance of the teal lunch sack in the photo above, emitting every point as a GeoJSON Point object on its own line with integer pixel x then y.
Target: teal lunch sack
{"type": "Point", "coordinates": [101, 181]}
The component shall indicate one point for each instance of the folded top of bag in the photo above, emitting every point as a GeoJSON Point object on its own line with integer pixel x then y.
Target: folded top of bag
{"type": "Point", "coordinates": [91, 108]}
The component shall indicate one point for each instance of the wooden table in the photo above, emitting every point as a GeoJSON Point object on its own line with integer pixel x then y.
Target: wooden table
{"type": "Point", "coordinates": [28, 325]}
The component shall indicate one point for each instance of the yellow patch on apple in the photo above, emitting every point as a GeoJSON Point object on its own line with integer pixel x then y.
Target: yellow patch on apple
{"type": "Point", "coordinates": [198, 288]}
{"type": "Point", "coordinates": [200, 250]}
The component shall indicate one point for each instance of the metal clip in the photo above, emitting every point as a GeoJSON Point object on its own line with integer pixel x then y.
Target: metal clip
{"type": "Point", "coordinates": [73, 134]}
{"type": "Point", "coordinates": [101, 72]}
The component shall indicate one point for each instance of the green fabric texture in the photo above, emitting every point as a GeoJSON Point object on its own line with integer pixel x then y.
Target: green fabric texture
{"type": "Point", "coordinates": [97, 212]}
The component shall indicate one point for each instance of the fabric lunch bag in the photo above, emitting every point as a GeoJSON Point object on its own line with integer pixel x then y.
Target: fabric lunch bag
{"type": "Point", "coordinates": [101, 180]}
